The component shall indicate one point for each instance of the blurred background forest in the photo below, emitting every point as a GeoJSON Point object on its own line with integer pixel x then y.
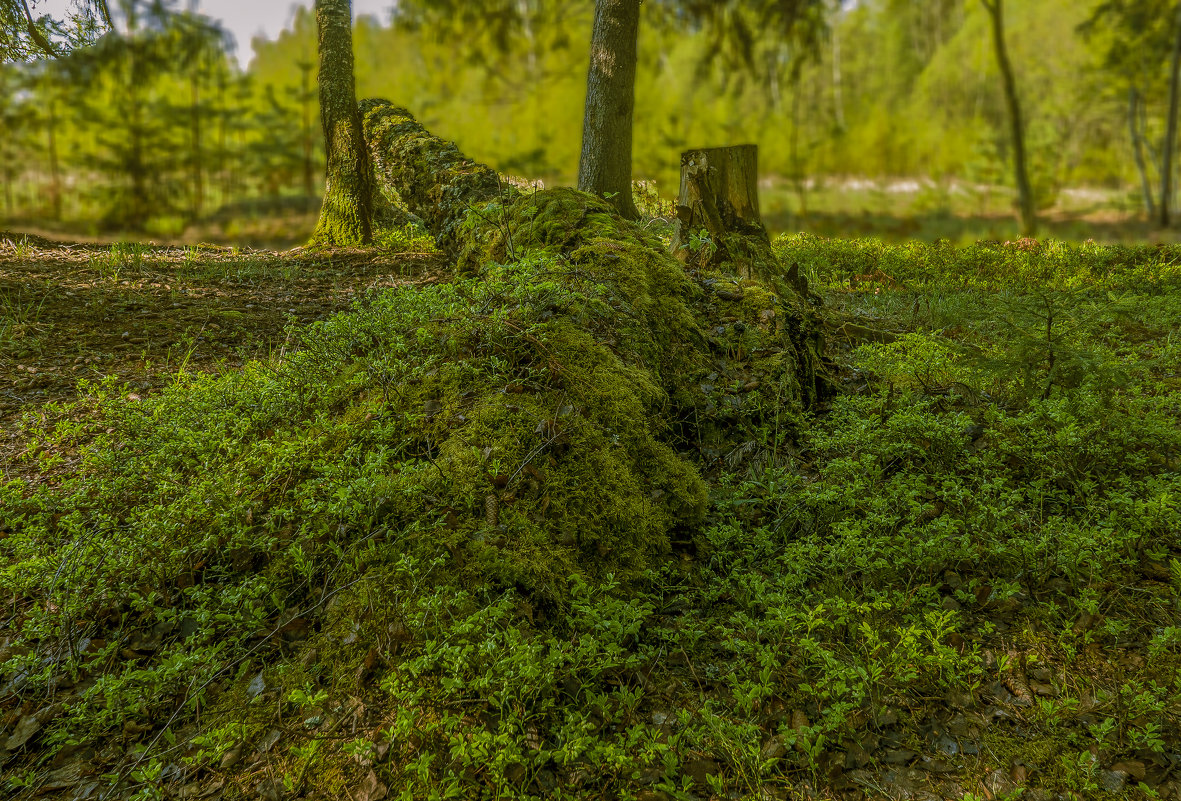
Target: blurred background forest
{"type": "Point", "coordinates": [877, 117]}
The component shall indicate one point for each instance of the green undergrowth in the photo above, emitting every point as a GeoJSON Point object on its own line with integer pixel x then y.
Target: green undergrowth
{"type": "Point", "coordinates": [463, 542]}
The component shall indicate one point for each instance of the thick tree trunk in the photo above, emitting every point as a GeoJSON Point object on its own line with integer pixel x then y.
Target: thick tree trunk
{"type": "Point", "coordinates": [1170, 143]}
{"type": "Point", "coordinates": [605, 168]}
{"type": "Point", "coordinates": [346, 216]}
{"type": "Point", "coordinates": [1025, 201]}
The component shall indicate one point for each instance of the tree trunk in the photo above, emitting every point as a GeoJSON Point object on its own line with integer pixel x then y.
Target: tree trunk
{"type": "Point", "coordinates": [55, 178]}
{"type": "Point", "coordinates": [1025, 201]}
{"type": "Point", "coordinates": [797, 164]}
{"type": "Point", "coordinates": [605, 168]}
{"type": "Point", "coordinates": [1170, 143]}
{"type": "Point", "coordinates": [305, 133]}
{"type": "Point", "coordinates": [346, 216]}
{"type": "Point", "coordinates": [195, 144]}
{"type": "Point", "coordinates": [1138, 150]}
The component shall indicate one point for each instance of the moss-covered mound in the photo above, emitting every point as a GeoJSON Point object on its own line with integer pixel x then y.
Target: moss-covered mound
{"type": "Point", "coordinates": [510, 430]}
{"type": "Point", "coordinates": [536, 426]}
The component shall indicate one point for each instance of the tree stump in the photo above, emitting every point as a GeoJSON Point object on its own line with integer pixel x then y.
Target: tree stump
{"type": "Point", "coordinates": [718, 221]}
{"type": "Point", "coordinates": [719, 189]}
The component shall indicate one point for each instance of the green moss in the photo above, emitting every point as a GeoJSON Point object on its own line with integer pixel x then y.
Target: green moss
{"type": "Point", "coordinates": [341, 223]}
{"type": "Point", "coordinates": [429, 174]}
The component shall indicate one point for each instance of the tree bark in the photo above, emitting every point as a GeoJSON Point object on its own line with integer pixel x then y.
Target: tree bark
{"type": "Point", "coordinates": [605, 168]}
{"type": "Point", "coordinates": [195, 157]}
{"type": "Point", "coordinates": [1025, 201]}
{"type": "Point", "coordinates": [306, 142]}
{"type": "Point", "coordinates": [1170, 143]}
{"type": "Point", "coordinates": [55, 177]}
{"type": "Point", "coordinates": [436, 182]}
{"type": "Point", "coordinates": [718, 222]}
{"type": "Point", "coordinates": [719, 195]}
{"type": "Point", "coordinates": [346, 216]}
{"type": "Point", "coordinates": [1138, 151]}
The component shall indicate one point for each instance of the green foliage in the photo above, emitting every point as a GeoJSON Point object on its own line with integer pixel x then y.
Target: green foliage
{"type": "Point", "coordinates": [968, 517]}
{"type": "Point", "coordinates": [827, 91]}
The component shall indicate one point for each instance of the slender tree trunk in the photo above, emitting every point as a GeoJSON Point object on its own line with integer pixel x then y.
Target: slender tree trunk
{"type": "Point", "coordinates": [55, 176]}
{"type": "Point", "coordinates": [1138, 150]}
{"type": "Point", "coordinates": [346, 216]}
{"type": "Point", "coordinates": [837, 100]}
{"type": "Point", "coordinates": [195, 140]}
{"type": "Point", "coordinates": [797, 165]}
{"type": "Point", "coordinates": [222, 142]}
{"type": "Point", "coordinates": [605, 168]}
{"type": "Point", "coordinates": [1025, 203]}
{"type": "Point", "coordinates": [9, 177]}
{"type": "Point", "coordinates": [1170, 143]}
{"type": "Point", "coordinates": [305, 100]}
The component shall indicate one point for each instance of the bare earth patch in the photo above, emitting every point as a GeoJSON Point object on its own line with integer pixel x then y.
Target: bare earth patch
{"type": "Point", "coordinates": [81, 312]}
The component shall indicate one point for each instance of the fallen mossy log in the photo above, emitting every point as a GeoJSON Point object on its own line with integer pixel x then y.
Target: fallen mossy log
{"type": "Point", "coordinates": [546, 419]}
{"type": "Point", "coordinates": [663, 375]}
{"type": "Point", "coordinates": [477, 219]}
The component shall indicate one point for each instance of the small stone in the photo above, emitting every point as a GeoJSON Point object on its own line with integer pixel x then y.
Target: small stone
{"type": "Point", "coordinates": [898, 756]}
{"type": "Point", "coordinates": [1113, 781]}
{"type": "Point", "coordinates": [773, 749]}
{"type": "Point", "coordinates": [947, 745]}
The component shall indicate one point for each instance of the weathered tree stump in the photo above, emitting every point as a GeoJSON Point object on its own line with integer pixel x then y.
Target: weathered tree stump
{"type": "Point", "coordinates": [718, 222]}
{"type": "Point", "coordinates": [719, 190]}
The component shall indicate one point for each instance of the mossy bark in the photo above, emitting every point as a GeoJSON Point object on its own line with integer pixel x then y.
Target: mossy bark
{"type": "Point", "coordinates": [477, 218]}
{"type": "Point", "coordinates": [429, 174]}
{"type": "Point", "coordinates": [346, 216]}
{"type": "Point", "coordinates": [605, 166]}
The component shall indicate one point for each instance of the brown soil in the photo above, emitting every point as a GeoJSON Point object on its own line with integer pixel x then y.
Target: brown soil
{"type": "Point", "coordinates": [73, 312]}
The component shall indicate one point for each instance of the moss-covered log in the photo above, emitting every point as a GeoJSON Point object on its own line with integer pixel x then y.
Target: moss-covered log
{"type": "Point", "coordinates": [654, 368]}
{"type": "Point", "coordinates": [429, 174]}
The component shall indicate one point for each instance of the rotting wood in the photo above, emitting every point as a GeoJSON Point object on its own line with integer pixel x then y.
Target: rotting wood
{"type": "Point", "coordinates": [718, 222]}
{"type": "Point", "coordinates": [477, 218]}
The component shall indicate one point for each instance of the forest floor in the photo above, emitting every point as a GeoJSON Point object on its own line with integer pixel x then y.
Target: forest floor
{"type": "Point", "coordinates": [961, 579]}
{"type": "Point", "coordinates": [139, 314]}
